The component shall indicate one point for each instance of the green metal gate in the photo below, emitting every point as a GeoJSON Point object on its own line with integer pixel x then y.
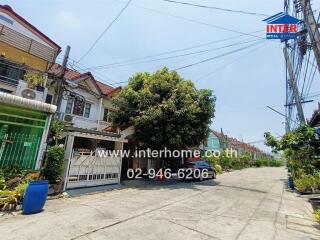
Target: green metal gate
{"type": "Point", "coordinates": [21, 132]}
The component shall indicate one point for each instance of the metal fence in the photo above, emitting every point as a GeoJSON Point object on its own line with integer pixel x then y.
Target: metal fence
{"type": "Point", "coordinates": [19, 149]}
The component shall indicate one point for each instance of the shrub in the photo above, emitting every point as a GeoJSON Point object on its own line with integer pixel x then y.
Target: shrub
{"type": "Point", "coordinates": [2, 180]}
{"type": "Point", "coordinates": [12, 171]}
{"type": "Point", "coordinates": [306, 183]}
{"type": "Point", "coordinates": [317, 214]}
{"type": "Point", "coordinates": [9, 199]}
{"type": "Point", "coordinates": [266, 162]}
{"type": "Point", "coordinates": [218, 168]}
{"type": "Point", "coordinates": [57, 132]}
{"type": "Point", "coordinates": [53, 163]}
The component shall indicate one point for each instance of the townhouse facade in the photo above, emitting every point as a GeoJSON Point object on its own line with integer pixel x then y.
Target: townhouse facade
{"type": "Point", "coordinates": [25, 56]}
{"type": "Point", "coordinates": [28, 82]}
{"type": "Point", "coordinates": [92, 144]}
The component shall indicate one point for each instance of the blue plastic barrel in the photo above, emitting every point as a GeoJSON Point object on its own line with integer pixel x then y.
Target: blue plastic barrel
{"type": "Point", "coordinates": [35, 197]}
{"type": "Point", "coordinates": [290, 182]}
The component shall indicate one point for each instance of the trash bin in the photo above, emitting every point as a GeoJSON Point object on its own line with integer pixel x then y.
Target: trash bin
{"type": "Point", "coordinates": [35, 197]}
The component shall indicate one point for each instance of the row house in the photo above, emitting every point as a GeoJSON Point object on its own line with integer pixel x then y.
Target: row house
{"type": "Point", "coordinates": [218, 141]}
{"type": "Point", "coordinates": [26, 54]}
{"type": "Point", "coordinates": [85, 108]}
{"type": "Point", "coordinates": [28, 79]}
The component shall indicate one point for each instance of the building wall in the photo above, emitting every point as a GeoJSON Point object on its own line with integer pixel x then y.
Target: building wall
{"type": "Point", "coordinates": [81, 121]}
{"type": "Point", "coordinates": [213, 143]}
{"type": "Point", "coordinates": [16, 55]}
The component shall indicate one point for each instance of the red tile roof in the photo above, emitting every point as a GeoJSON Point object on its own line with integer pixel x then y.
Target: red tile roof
{"type": "Point", "coordinates": [70, 74]}
{"type": "Point", "coordinates": [106, 89]}
{"type": "Point", "coordinates": [73, 75]}
{"type": "Point", "coordinates": [235, 143]}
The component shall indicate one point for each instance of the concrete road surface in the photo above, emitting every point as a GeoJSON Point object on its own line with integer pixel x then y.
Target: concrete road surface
{"type": "Point", "coordinates": [247, 204]}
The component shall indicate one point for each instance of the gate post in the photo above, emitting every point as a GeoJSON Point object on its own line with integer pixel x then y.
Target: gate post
{"type": "Point", "coordinates": [119, 146]}
{"type": "Point", "coordinates": [68, 155]}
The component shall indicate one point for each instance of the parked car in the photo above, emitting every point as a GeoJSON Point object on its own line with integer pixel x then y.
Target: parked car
{"type": "Point", "coordinates": [191, 170]}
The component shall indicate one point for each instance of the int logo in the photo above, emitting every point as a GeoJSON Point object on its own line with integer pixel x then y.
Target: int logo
{"type": "Point", "coordinates": [282, 26]}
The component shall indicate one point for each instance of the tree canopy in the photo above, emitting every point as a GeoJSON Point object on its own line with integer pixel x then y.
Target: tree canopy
{"type": "Point", "coordinates": [165, 110]}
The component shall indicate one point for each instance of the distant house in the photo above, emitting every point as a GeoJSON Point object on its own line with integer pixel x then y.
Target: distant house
{"type": "Point", "coordinates": [315, 121]}
{"type": "Point", "coordinates": [220, 141]}
{"type": "Point", "coordinates": [315, 118]}
{"type": "Point", "coordinates": [25, 110]}
{"type": "Point", "coordinates": [213, 142]}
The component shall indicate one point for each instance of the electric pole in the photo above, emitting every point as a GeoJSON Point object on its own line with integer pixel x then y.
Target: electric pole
{"type": "Point", "coordinates": [61, 80]}
{"type": "Point", "coordinates": [312, 28]}
{"type": "Point", "coordinates": [293, 84]}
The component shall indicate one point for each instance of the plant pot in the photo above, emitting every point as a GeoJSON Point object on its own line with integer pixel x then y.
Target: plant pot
{"type": "Point", "coordinates": [55, 188]}
{"type": "Point", "coordinates": [35, 197]}
{"type": "Point", "coordinates": [315, 202]}
{"type": "Point", "coordinates": [31, 86]}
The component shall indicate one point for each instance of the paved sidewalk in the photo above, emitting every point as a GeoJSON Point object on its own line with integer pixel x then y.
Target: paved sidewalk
{"type": "Point", "coordinates": [247, 204]}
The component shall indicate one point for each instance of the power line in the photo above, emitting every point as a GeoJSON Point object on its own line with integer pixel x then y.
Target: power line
{"type": "Point", "coordinates": [169, 52]}
{"type": "Point", "coordinates": [193, 20]}
{"type": "Point", "coordinates": [105, 30]}
{"type": "Point", "coordinates": [228, 64]}
{"type": "Point", "coordinates": [213, 58]}
{"type": "Point", "coordinates": [217, 8]}
{"type": "Point", "coordinates": [179, 55]}
{"type": "Point", "coordinates": [102, 77]}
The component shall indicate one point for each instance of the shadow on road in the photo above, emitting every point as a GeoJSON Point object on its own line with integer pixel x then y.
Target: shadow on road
{"type": "Point", "coordinates": [147, 184]}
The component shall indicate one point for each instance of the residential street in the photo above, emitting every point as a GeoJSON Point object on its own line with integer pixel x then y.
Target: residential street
{"type": "Point", "coordinates": [247, 204]}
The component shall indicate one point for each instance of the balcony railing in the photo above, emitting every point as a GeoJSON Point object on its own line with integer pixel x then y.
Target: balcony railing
{"type": "Point", "coordinates": [82, 122]}
{"type": "Point", "coordinates": [9, 81]}
{"type": "Point", "coordinates": [26, 44]}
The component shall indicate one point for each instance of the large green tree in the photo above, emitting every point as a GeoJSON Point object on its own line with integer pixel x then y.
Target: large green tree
{"type": "Point", "coordinates": [301, 147]}
{"type": "Point", "coordinates": [165, 110]}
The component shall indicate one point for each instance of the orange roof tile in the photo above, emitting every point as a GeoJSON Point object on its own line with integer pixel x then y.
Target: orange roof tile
{"type": "Point", "coordinates": [73, 74]}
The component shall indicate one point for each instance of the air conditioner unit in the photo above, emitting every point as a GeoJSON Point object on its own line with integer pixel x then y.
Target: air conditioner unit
{"type": "Point", "coordinates": [33, 94]}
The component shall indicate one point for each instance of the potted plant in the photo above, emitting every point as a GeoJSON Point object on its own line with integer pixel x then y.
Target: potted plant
{"type": "Point", "coordinates": [33, 79]}
{"type": "Point", "coordinates": [53, 167]}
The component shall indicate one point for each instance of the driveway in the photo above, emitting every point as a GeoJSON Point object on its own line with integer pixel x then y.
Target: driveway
{"type": "Point", "coordinates": [247, 204]}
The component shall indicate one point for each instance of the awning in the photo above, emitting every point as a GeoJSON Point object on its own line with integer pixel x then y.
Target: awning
{"type": "Point", "coordinates": [94, 134]}
{"type": "Point", "coordinates": [26, 103]}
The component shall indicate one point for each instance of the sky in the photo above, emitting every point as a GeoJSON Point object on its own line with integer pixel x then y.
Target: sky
{"type": "Point", "coordinates": [244, 82]}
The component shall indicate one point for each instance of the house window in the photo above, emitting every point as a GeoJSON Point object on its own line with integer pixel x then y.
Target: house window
{"type": "Point", "coordinates": [10, 72]}
{"type": "Point", "coordinates": [78, 106]}
{"type": "Point", "coordinates": [49, 98]}
{"type": "Point", "coordinates": [106, 115]}
{"type": "Point", "coordinates": [87, 110]}
{"type": "Point", "coordinates": [69, 105]}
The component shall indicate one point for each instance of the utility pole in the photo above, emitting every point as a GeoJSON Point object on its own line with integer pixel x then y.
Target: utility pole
{"type": "Point", "coordinates": [61, 80]}
{"type": "Point", "coordinates": [293, 84]}
{"type": "Point", "coordinates": [312, 28]}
